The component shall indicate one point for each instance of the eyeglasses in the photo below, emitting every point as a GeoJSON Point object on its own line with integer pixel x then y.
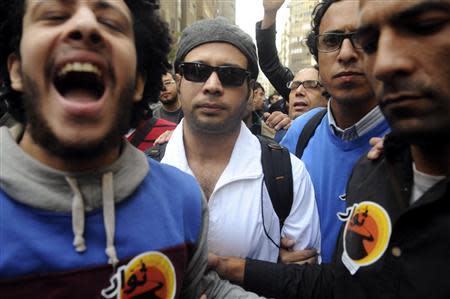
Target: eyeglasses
{"type": "Point", "coordinates": [167, 83]}
{"type": "Point", "coordinates": [229, 76]}
{"type": "Point", "coordinates": [329, 42]}
{"type": "Point", "coordinates": [309, 84]}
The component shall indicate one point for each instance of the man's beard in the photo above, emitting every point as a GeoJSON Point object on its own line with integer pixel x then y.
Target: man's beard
{"type": "Point", "coordinates": [44, 136]}
{"type": "Point", "coordinates": [170, 101]}
{"type": "Point", "coordinates": [226, 127]}
{"type": "Point", "coordinates": [432, 125]}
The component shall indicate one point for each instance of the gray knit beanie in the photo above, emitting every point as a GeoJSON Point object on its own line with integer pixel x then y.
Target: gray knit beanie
{"type": "Point", "coordinates": [217, 30]}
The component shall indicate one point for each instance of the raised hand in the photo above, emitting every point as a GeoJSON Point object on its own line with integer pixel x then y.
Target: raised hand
{"type": "Point", "coordinates": [270, 12]}
{"type": "Point", "coordinates": [272, 5]}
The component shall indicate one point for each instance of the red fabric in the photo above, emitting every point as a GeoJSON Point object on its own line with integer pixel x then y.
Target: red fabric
{"type": "Point", "coordinates": [85, 282]}
{"type": "Point", "coordinates": [160, 127]}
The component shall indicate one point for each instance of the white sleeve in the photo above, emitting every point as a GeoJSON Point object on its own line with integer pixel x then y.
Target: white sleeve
{"type": "Point", "coordinates": [199, 281]}
{"type": "Point", "coordinates": [302, 225]}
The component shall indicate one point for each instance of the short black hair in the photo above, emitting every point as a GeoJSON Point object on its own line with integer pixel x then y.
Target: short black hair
{"type": "Point", "coordinates": [152, 42]}
{"type": "Point", "coordinates": [170, 72]}
{"type": "Point", "coordinates": [257, 85]}
{"type": "Point", "coordinates": [316, 18]}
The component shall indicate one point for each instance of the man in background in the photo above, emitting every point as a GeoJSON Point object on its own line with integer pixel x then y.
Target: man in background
{"type": "Point", "coordinates": [307, 92]}
{"type": "Point", "coordinates": [170, 108]}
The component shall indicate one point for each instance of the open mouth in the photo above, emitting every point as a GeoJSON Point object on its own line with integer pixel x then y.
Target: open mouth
{"type": "Point", "coordinates": [81, 81]}
{"type": "Point", "coordinates": [300, 104]}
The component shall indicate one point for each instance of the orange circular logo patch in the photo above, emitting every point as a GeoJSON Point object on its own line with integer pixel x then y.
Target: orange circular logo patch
{"type": "Point", "coordinates": [150, 275]}
{"type": "Point", "coordinates": [366, 234]}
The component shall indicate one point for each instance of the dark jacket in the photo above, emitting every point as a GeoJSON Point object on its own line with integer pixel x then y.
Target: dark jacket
{"type": "Point", "coordinates": [416, 259]}
{"type": "Point", "coordinates": [269, 62]}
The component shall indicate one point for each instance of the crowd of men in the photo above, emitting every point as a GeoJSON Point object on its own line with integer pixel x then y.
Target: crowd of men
{"type": "Point", "coordinates": [247, 201]}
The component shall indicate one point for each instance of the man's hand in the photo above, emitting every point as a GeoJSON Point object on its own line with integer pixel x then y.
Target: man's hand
{"type": "Point", "coordinates": [164, 137]}
{"type": "Point", "coordinates": [377, 149]}
{"type": "Point", "coordinates": [289, 256]}
{"type": "Point", "coordinates": [230, 268]}
{"type": "Point", "coordinates": [271, 8]}
{"type": "Point", "coordinates": [277, 120]}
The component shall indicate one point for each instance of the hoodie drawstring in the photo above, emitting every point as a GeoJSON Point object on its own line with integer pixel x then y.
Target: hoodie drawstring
{"type": "Point", "coordinates": [78, 216]}
{"type": "Point", "coordinates": [108, 217]}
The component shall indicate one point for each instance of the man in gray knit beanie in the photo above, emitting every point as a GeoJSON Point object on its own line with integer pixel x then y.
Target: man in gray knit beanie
{"type": "Point", "coordinates": [216, 66]}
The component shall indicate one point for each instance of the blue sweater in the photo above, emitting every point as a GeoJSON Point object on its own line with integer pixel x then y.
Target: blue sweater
{"type": "Point", "coordinates": [329, 161]}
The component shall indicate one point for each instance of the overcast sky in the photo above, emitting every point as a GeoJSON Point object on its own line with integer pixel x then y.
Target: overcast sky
{"type": "Point", "coordinates": [248, 12]}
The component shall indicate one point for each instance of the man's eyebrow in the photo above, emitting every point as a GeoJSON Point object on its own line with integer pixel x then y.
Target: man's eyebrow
{"type": "Point", "coordinates": [233, 65]}
{"type": "Point", "coordinates": [105, 5]}
{"type": "Point", "coordinates": [333, 31]}
{"type": "Point", "coordinates": [364, 29]}
{"type": "Point", "coordinates": [223, 64]}
{"type": "Point", "coordinates": [100, 5]}
{"type": "Point", "coordinates": [419, 9]}
{"type": "Point", "coordinates": [39, 3]}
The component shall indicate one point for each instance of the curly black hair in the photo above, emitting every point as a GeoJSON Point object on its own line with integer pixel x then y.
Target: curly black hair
{"type": "Point", "coordinates": [152, 41]}
{"type": "Point", "coordinates": [316, 18]}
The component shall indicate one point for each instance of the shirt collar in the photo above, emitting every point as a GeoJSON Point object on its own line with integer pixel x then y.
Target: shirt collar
{"type": "Point", "coordinates": [364, 125]}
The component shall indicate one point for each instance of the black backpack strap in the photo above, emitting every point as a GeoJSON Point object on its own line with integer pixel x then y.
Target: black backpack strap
{"type": "Point", "coordinates": [277, 169]}
{"type": "Point", "coordinates": [142, 132]}
{"type": "Point", "coordinates": [157, 151]}
{"type": "Point", "coordinates": [308, 132]}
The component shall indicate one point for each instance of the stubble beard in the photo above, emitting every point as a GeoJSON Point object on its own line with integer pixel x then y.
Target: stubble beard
{"type": "Point", "coordinates": [44, 136]}
{"type": "Point", "coordinates": [432, 127]}
{"type": "Point", "coordinates": [225, 127]}
{"type": "Point", "coordinates": [168, 102]}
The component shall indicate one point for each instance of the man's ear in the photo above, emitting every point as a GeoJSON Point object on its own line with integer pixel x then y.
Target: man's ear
{"type": "Point", "coordinates": [139, 88]}
{"type": "Point", "coordinates": [15, 72]}
{"type": "Point", "coordinates": [178, 81]}
{"type": "Point", "coordinates": [251, 92]}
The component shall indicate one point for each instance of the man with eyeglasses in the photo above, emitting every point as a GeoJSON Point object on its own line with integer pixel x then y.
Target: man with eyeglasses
{"type": "Point", "coordinates": [328, 141]}
{"type": "Point", "coordinates": [342, 131]}
{"type": "Point", "coordinates": [306, 92]}
{"type": "Point", "coordinates": [216, 63]}
{"type": "Point", "coordinates": [170, 108]}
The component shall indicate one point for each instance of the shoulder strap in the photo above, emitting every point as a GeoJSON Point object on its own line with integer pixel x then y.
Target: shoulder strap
{"type": "Point", "coordinates": [140, 134]}
{"type": "Point", "coordinates": [157, 151]}
{"type": "Point", "coordinates": [277, 169]}
{"type": "Point", "coordinates": [308, 132]}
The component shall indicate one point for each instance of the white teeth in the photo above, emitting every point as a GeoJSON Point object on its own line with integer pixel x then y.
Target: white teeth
{"type": "Point", "coordinates": [80, 67]}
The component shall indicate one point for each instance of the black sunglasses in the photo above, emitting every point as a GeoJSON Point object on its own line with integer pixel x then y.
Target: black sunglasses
{"type": "Point", "coordinates": [310, 84]}
{"type": "Point", "coordinates": [229, 76]}
{"type": "Point", "coordinates": [332, 41]}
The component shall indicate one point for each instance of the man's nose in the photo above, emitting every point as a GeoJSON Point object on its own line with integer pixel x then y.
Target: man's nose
{"type": "Point", "coordinates": [300, 91]}
{"type": "Point", "coordinates": [213, 85]}
{"type": "Point", "coordinates": [391, 59]}
{"type": "Point", "coordinates": [347, 52]}
{"type": "Point", "coordinates": [85, 27]}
